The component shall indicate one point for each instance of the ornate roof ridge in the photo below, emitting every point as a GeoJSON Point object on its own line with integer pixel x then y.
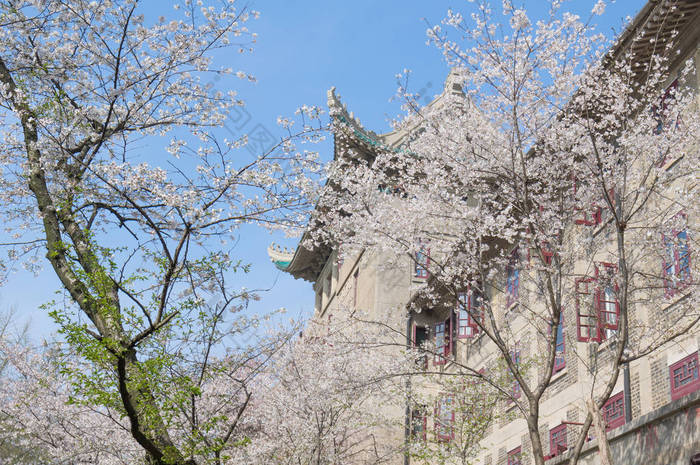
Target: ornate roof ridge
{"type": "Point", "coordinates": [280, 256]}
{"type": "Point", "coordinates": [336, 108]}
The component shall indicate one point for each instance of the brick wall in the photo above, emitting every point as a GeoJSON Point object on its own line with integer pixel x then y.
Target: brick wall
{"type": "Point", "coordinates": [526, 449]}
{"type": "Point", "coordinates": [634, 391]}
{"type": "Point", "coordinates": [501, 456]}
{"type": "Point", "coordinates": [660, 387]}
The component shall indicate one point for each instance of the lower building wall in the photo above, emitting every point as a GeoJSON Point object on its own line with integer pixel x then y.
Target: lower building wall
{"type": "Point", "coordinates": [667, 436]}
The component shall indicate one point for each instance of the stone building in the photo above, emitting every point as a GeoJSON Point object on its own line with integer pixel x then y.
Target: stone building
{"type": "Point", "coordinates": [653, 414]}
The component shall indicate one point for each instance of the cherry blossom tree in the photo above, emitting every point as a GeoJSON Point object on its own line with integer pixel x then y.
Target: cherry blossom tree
{"type": "Point", "coordinates": [333, 397]}
{"type": "Point", "coordinates": [46, 420]}
{"type": "Point", "coordinates": [45, 425]}
{"type": "Point", "coordinates": [136, 236]}
{"type": "Point", "coordinates": [462, 410]}
{"type": "Point", "coordinates": [309, 401]}
{"type": "Point", "coordinates": [555, 191]}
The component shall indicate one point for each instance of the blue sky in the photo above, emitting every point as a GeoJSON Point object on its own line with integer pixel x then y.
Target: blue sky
{"type": "Point", "coordinates": [304, 47]}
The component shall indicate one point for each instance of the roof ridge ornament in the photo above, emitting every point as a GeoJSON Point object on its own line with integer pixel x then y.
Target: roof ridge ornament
{"type": "Point", "coordinates": [281, 257]}
{"type": "Point", "coordinates": [339, 111]}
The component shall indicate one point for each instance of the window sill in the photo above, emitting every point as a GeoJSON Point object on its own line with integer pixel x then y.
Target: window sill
{"type": "Point", "coordinates": [471, 339]}
{"type": "Point", "coordinates": [685, 391]}
{"type": "Point", "coordinates": [511, 404]}
{"type": "Point", "coordinates": [670, 163]}
{"type": "Point", "coordinates": [558, 375]}
{"type": "Point", "coordinates": [602, 346]}
{"type": "Point", "coordinates": [600, 227]}
{"type": "Point", "coordinates": [677, 295]}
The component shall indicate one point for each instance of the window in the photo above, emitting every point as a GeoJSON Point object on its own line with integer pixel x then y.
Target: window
{"type": "Point", "coordinates": [514, 457]}
{"type": "Point", "coordinates": [445, 418]}
{"type": "Point", "coordinates": [547, 253]}
{"type": "Point", "coordinates": [597, 306]}
{"type": "Point", "coordinates": [684, 376]}
{"type": "Point", "coordinates": [422, 261]}
{"type": "Point", "coordinates": [676, 264]}
{"type": "Point", "coordinates": [609, 311]}
{"type": "Point", "coordinates": [560, 347]}
{"type": "Point", "coordinates": [663, 117]}
{"type": "Point", "coordinates": [660, 111]}
{"type": "Point", "coordinates": [420, 336]}
{"type": "Point", "coordinates": [515, 357]}
{"type": "Point", "coordinates": [443, 341]}
{"type": "Point", "coordinates": [557, 440]}
{"type": "Point", "coordinates": [587, 321]}
{"type": "Point", "coordinates": [614, 412]}
{"type": "Point", "coordinates": [419, 424]}
{"type": "Point", "coordinates": [513, 278]}
{"type": "Point", "coordinates": [470, 311]}
{"type": "Point", "coordinates": [590, 216]}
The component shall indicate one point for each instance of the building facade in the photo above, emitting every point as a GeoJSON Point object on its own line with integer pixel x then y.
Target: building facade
{"type": "Point", "coordinates": [653, 413]}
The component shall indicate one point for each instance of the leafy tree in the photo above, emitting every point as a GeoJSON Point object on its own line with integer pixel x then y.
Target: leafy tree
{"type": "Point", "coordinates": [134, 235]}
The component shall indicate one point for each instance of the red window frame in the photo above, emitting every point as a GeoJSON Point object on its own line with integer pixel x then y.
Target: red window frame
{"type": "Point", "coordinates": [422, 261]}
{"type": "Point", "coordinates": [684, 376]}
{"type": "Point", "coordinates": [559, 346]}
{"type": "Point", "coordinates": [595, 218]}
{"type": "Point", "coordinates": [614, 411]}
{"type": "Point", "coordinates": [599, 321]}
{"type": "Point", "coordinates": [419, 424]}
{"type": "Point", "coordinates": [513, 278]}
{"type": "Point", "coordinates": [589, 217]}
{"type": "Point", "coordinates": [557, 440]}
{"type": "Point", "coordinates": [443, 335]}
{"type": "Point", "coordinates": [586, 318]}
{"type": "Point", "coordinates": [514, 456]}
{"type": "Point", "coordinates": [445, 418]}
{"type": "Point", "coordinates": [608, 304]}
{"type": "Point", "coordinates": [470, 310]}
{"type": "Point", "coordinates": [676, 264]}
{"type": "Point", "coordinates": [659, 110]}
{"type": "Point", "coordinates": [547, 253]}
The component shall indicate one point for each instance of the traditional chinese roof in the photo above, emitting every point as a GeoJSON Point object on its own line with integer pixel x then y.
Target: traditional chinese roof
{"type": "Point", "coordinates": [279, 256]}
{"type": "Point", "coordinates": [307, 261]}
{"type": "Point", "coordinates": [660, 25]}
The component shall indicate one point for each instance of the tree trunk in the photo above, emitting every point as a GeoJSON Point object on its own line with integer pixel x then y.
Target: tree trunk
{"type": "Point", "coordinates": [148, 429]}
{"type": "Point", "coordinates": [603, 445]}
{"type": "Point", "coordinates": [537, 450]}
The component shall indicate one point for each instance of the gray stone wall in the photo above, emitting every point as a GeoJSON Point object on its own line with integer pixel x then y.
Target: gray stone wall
{"type": "Point", "coordinates": [667, 436]}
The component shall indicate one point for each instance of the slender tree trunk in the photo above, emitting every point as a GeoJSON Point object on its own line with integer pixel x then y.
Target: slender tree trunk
{"type": "Point", "coordinates": [537, 450]}
{"type": "Point", "coordinates": [603, 445]}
